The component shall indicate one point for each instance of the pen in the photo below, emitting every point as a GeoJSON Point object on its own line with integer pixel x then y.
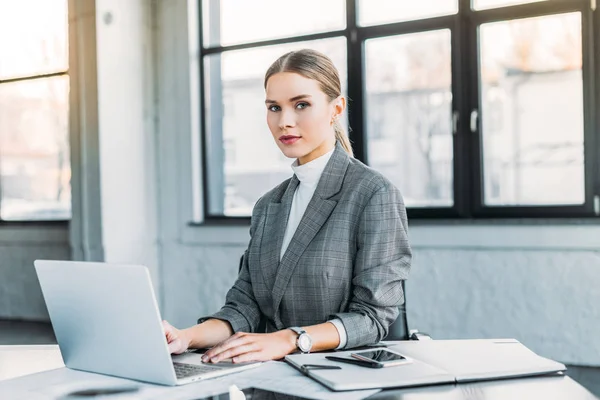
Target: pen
{"type": "Point", "coordinates": [319, 366]}
{"type": "Point", "coordinates": [309, 367]}
{"type": "Point", "coordinates": [103, 391]}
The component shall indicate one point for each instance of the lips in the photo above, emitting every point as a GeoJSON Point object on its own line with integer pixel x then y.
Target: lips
{"type": "Point", "coordinates": [289, 139]}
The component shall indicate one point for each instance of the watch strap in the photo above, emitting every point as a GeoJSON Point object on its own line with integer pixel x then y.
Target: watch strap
{"type": "Point", "coordinates": [299, 331]}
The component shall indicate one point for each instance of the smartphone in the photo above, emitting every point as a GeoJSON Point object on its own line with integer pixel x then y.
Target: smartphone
{"type": "Point", "coordinates": [381, 357]}
{"type": "Point", "coordinates": [355, 361]}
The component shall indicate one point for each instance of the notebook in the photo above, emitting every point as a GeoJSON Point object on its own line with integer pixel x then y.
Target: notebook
{"type": "Point", "coordinates": [480, 359]}
{"type": "Point", "coordinates": [434, 362]}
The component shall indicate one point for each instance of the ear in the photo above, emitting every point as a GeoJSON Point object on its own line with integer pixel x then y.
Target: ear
{"type": "Point", "coordinates": [339, 105]}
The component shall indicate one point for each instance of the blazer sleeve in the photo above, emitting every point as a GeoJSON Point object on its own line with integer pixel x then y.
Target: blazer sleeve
{"type": "Point", "coordinates": [241, 309]}
{"type": "Point", "coordinates": [382, 262]}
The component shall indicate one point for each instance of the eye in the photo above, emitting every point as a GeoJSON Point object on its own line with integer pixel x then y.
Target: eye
{"type": "Point", "coordinates": [302, 105]}
{"type": "Point", "coordinates": [273, 108]}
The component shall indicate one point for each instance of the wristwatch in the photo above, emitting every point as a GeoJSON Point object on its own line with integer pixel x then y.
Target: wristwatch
{"type": "Point", "coordinates": [304, 341]}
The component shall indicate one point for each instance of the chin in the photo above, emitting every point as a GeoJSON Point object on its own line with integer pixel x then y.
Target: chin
{"type": "Point", "coordinates": [293, 152]}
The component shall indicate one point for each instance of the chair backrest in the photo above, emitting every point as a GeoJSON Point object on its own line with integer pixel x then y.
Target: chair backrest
{"type": "Point", "coordinates": [397, 331]}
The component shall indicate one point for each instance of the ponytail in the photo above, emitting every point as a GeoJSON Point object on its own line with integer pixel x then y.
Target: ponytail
{"type": "Point", "coordinates": [340, 136]}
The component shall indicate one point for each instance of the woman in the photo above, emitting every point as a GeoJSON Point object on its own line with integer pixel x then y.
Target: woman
{"type": "Point", "coordinates": [328, 248]}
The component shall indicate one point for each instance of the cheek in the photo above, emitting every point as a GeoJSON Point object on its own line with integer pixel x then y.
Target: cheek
{"type": "Point", "coordinates": [272, 122]}
{"type": "Point", "coordinates": [315, 119]}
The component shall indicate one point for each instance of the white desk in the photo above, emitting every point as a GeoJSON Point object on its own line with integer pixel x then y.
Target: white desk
{"type": "Point", "coordinates": [18, 361]}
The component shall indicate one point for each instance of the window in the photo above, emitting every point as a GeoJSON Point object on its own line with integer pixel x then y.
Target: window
{"type": "Point", "coordinates": [377, 12]}
{"type": "Point", "coordinates": [473, 108]}
{"type": "Point", "coordinates": [409, 88]}
{"type": "Point", "coordinates": [34, 102]}
{"type": "Point", "coordinates": [535, 64]}
{"type": "Point", "coordinates": [483, 4]}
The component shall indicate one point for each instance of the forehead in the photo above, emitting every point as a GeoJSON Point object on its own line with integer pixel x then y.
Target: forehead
{"type": "Point", "coordinates": [285, 85]}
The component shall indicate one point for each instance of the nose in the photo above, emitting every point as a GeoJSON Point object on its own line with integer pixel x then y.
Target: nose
{"type": "Point", "coordinates": [287, 119]}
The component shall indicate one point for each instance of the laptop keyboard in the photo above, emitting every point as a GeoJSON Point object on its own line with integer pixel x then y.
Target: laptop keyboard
{"type": "Point", "coordinates": [184, 370]}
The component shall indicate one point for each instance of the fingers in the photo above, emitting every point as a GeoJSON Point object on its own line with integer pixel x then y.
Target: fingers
{"type": "Point", "coordinates": [175, 340]}
{"type": "Point", "coordinates": [237, 340]}
{"type": "Point", "coordinates": [235, 351]}
{"type": "Point", "coordinates": [173, 347]}
{"type": "Point", "coordinates": [233, 341]}
{"type": "Point", "coordinates": [168, 328]}
{"type": "Point", "coordinates": [224, 345]}
{"type": "Point", "coordinates": [250, 356]}
{"type": "Point", "coordinates": [172, 338]}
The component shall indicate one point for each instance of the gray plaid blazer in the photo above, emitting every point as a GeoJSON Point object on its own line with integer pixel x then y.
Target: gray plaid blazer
{"type": "Point", "coordinates": [346, 260]}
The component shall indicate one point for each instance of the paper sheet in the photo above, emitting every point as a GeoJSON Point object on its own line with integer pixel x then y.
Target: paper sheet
{"type": "Point", "coordinates": [274, 376]}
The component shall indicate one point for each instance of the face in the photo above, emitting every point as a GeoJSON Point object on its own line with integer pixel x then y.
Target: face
{"type": "Point", "coordinates": [300, 116]}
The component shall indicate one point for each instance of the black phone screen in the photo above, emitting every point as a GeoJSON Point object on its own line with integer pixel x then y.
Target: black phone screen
{"type": "Point", "coordinates": [381, 355]}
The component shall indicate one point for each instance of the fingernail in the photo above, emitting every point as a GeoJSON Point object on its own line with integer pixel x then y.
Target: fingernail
{"type": "Point", "coordinates": [204, 359]}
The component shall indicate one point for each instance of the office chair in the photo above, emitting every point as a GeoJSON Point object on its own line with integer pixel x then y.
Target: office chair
{"type": "Point", "coordinates": [397, 331]}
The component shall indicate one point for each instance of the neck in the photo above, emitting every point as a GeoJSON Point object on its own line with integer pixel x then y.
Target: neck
{"type": "Point", "coordinates": [323, 148]}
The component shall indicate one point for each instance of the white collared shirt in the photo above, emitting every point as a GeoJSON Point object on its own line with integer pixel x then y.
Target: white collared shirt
{"type": "Point", "coordinates": [309, 175]}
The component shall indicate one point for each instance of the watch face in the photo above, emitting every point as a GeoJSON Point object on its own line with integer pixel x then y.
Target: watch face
{"type": "Point", "coordinates": [304, 342]}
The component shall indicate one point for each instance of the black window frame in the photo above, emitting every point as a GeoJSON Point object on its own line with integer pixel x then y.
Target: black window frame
{"type": "Point", "coordinates": [468, 183]}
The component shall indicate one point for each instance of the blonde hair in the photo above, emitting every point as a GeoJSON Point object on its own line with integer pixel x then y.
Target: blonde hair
{"type": "Point", "coordinates": [312, 64]}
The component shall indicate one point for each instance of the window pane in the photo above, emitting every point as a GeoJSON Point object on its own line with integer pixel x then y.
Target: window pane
{"type": "Point", "coordinates": [34, 150]}
{"type": "Point", "coordinates": [33, 37]}
{"type": "Point", "coordinates": [409, 110]}
{"type": "Point", "coordinates": [532, 99]}
{"type": "Point", "coordinates": [374, 12]}
{"type": "Point", "coordinates": [483, 4]}
{"type": "Point", "coordinates": [244, 161]}
{"type": "Point", "coordinates": [228, 22]}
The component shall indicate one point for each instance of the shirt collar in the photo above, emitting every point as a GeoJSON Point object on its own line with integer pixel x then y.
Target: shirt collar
{"type": "Point", "coordinates": [310, 173]}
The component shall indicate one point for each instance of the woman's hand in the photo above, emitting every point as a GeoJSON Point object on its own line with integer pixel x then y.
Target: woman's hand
{"type": "Point", "coordinates": [244, 347]}
{"type": "Point", "coordinates": [176, 339]}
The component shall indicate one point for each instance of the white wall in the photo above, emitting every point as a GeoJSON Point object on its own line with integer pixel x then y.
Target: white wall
{"type": "Point", "coordinates": [113, 132]}
{"type": "Point", "coordinates": [127, 131]}
{"type": "Point", "coordinates": [549, 300]}
{"type": "Point", "coordinates": [538, 282]}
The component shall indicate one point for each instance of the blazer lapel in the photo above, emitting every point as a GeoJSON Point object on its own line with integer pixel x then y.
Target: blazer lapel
{"type": "Point", "coordinates": [317, 212]}
{"type": "Point", "coordinates": [278, 212]}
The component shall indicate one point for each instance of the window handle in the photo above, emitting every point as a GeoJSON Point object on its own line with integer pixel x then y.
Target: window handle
{"type": "Point", "coordinates": [474, 118]}
{"type": "Point", "coordinates": [455, 119]}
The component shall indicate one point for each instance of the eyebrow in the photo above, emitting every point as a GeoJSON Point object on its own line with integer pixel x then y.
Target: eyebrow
{"type": "Point", "coordinates": [302, 96]}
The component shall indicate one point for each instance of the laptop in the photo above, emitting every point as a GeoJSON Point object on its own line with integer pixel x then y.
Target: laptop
{"type": "Point", "coordinates": [106, 320]}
